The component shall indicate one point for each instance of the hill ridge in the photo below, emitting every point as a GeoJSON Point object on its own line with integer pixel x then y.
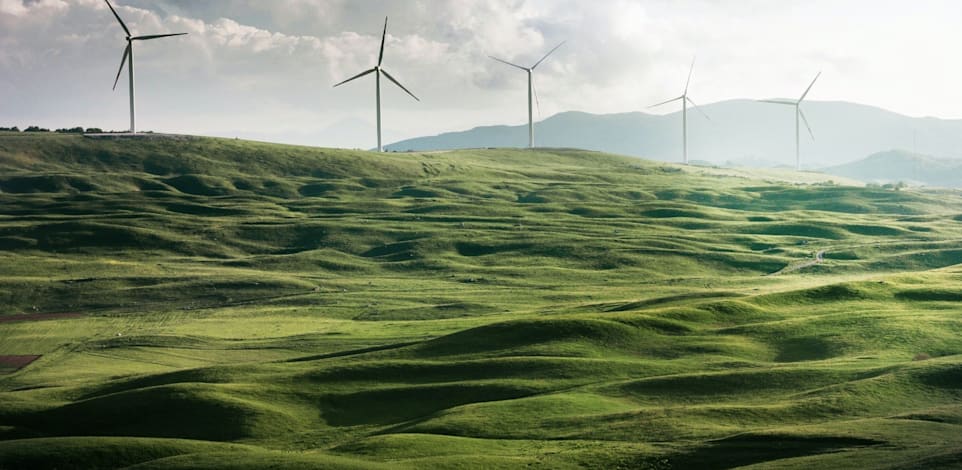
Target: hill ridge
{"type": "Point", "coordinates": [740, 130]}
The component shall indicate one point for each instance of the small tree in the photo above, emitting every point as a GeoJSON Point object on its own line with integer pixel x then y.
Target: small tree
{"type": "Point", "coordinates": [95, 130]}
{"type": "Point", "coordinates": [36, 129]}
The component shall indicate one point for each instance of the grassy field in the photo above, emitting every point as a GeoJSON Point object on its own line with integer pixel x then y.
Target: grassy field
{"type": "Point", "coordinates": [244, 305]}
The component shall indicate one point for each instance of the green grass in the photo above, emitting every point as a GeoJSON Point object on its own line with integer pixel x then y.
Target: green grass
{"type": "Point", "coordinates": [246, 305]}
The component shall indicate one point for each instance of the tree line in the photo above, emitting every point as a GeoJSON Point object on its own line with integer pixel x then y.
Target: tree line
{"type": "Point", "coordinates": [70, 130]}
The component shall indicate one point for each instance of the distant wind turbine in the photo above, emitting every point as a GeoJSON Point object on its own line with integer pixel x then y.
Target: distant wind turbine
{"type": "Point", "coordinates": [129, 54]}
{"type": "Point", "coordinates": [531, 92]}
{"type": "Point", "coordinates": [379, 71]}
{"type": "Point", "coordinates": [801, 115]}
{"type": "Point", "coordinates": [684, 111]}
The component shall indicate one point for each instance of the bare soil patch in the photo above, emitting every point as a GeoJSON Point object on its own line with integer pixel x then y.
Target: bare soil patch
{"type": "Point", "coordinates": [17, 362]}
{"type": "Point", "coordinates": [37, 317]}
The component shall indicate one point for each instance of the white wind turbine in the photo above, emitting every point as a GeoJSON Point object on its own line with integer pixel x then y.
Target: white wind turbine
{"type": "Point", "coordinates": [684, 112]}
{"type": "Point", "coordinates": [531, 92]}
{"type": "Point", "coordinates": [379, 71]}
{"type": "Point", "coordinates": [129, 54]}
{"type": "Point", "coordinates": [799, 115]}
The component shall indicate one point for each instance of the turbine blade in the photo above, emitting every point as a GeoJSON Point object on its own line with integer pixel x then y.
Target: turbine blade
{"type": "Point", "coordinates": [802, 114]}
{"type": "Point", "coordinates": [809, 87]}
{"type": "Point", "coordinates": [122, 25]}
{"type": "Point", "coordinates": [122, 63]}
{"type": "Point", "coordinates": [786, 102]}
{"type": "Point", "coordinates": [698, 108]}
{"type": "Point", "coordinates": [156, 36]}
{"type": "Point", "coordinates": [380, 58]}
{"type": "Point", "coordinates": [692, 69]}
{"type": "Point", "coordinates": [508, 63]}
{"type": "Point", "coordinates": [546, 55]}
{"type": "Point", "coordinates": [356, 77]}
{"type": "Point", "coordinates": [666, 102]}
{"type": "Point", "coordinates": [389, 77]}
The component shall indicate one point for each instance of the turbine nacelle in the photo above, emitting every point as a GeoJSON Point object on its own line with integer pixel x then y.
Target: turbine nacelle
{"type": "Point", "coordinates": [799, 116]}
{"type": "Point", "coordinates": [378, 70]}
{"type": "Point", "coordinates": [531, 89]}
{"type": "Point", "coordinates": [129, 54]}
{"type": "Point", "coordinates": [685, 100]}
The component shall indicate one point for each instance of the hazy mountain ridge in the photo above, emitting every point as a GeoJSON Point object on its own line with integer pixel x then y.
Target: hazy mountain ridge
{"type": "Point", "coordinates": [903, 166]}
{"type": "Point", "coordinates": [739, 131]}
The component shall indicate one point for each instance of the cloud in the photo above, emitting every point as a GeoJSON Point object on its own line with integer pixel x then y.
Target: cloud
{"type": "Point", "coordinates": [26, 8]}
{"type": "Point", "coordinates": [271, 65]}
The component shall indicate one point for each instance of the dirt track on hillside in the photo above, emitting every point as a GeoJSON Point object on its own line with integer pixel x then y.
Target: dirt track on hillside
{"type": "Point", "coordinates": [17, 362]}
{"type": "Point", "coordinates": [819, 259]}
{"type": "Point", "coordinates": [37, 317]}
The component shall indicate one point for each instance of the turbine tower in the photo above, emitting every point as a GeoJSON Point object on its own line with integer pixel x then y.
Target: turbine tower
{"type": "Point", "coordinates": [684, 112]}
{"type": "Point", "coordinates": [379, 71]}
{"type": "Point", "coordinates": [129, 54]}
{"type": "Point", "coordinates": [531, 92]}
{"type": "Point", "coordinates": [799, 115]}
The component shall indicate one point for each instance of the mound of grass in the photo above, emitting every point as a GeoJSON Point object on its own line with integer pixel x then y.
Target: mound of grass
{"type": "Point", "coordinates": [81, 453]}
{"type": "Point", "coordinates": [747, 449]}
{"type": "Point", "coordinates": [397, 405]}
{"type": "Point", "coordinates": [808, 348]}
{"type": "Point", "coordinates": [930, 295]}
{"type": "Point", "coordinates": [200, 185]}
{"type": "Point", "coordinates": [185, 411]}
{"type": "Point", "coordinates": [311, 308]}
{"type": "Point", "coordinates": [875, 230]}
{"type": "Point", "coordinates": [823, 294]}
{"type": "Point", "coordinates": [500, 338]}
{"type": "Point", "coordinates": [797, 230]}
{"type": "Point", "coordinates": [46, 184]}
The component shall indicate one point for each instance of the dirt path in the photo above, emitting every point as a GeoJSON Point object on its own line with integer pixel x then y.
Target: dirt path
{"type": "Point", "coordinates": [17, 362]}
{"type": "Point", "coordinates": [37, 317]}
{"type": "Point", "coordinates": [819, 259]}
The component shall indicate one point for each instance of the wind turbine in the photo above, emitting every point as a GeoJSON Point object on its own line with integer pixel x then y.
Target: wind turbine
{"type": "Point", "coordinates": [684, 111]}
{"type": "Point", "coordinates": [531, 92]}
{"type": "Point", "coordinates": [798, 114]}
{"type": "Point", "coordinates": [129, 53]}
{"type": "Point", "coordinates": [379, 71]}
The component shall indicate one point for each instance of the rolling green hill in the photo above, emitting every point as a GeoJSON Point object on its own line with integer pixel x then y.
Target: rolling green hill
{"type": "Point", "coordinates": [230, 304]}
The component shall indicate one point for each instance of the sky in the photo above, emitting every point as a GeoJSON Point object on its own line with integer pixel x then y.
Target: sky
{"type": "Point", "coordinates": [266, 69]}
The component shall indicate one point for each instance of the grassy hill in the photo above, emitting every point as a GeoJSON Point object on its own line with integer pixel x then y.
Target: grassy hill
{"type": "Point", "coordinates": [237, 304]}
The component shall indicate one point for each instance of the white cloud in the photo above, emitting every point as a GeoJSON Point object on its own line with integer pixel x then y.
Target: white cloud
{"type": "Point", "coordinates": [12, 7]}
{"type": "Point", "coordinates": [270, 65]}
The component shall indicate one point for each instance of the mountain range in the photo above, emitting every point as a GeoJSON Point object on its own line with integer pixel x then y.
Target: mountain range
{"type": "Point", "coordinates": [739, 132]}
{"type": "Point", "coordinates": [902, 166]}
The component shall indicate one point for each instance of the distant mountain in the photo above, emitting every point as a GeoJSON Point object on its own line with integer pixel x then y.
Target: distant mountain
{"type": "Point", "coordinates": [739, 131]}
{"type": "Point", "coordinates": [899, 165]}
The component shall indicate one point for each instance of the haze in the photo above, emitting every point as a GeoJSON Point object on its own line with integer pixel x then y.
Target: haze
{"type": "Point", "coordinates": [264, 70]}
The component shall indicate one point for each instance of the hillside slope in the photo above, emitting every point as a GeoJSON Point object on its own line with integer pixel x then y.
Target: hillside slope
{"type": "Point", "coordinates": [213, 303]}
